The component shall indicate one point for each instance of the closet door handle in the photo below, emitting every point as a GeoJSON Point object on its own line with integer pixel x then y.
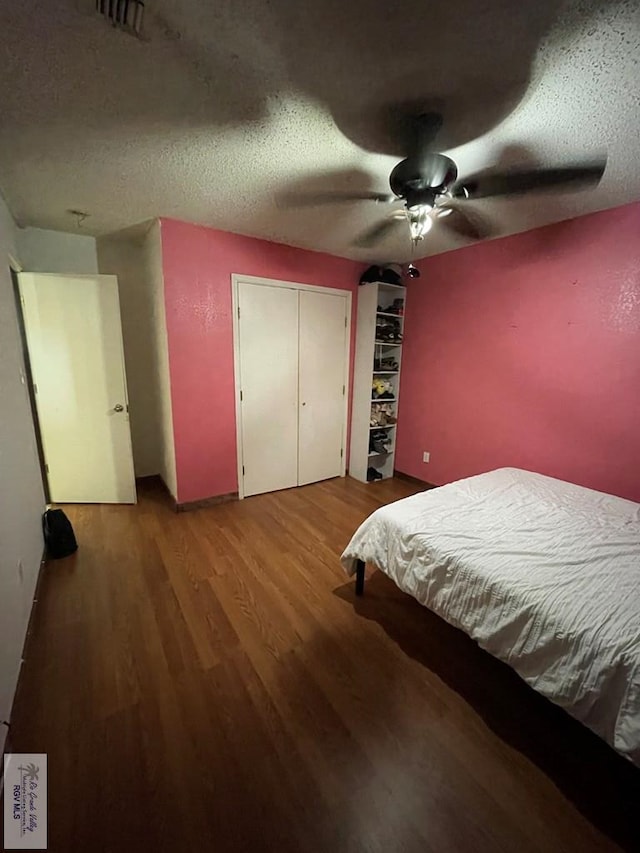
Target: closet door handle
{"type": "Point", "coordinates": [304, 404]}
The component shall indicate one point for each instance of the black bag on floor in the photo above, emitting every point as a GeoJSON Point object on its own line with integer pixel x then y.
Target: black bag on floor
{"type": "Point", "coordinates": [59, 538]}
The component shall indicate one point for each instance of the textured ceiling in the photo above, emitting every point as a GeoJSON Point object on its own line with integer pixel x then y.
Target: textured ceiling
{"type": "Point", "coordinates": [229, 106]}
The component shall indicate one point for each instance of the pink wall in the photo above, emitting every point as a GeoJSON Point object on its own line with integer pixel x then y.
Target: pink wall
{"type": "Point", "coordinates": [198, 263]}
{"type": "Point", "coordinates": [525, 352]}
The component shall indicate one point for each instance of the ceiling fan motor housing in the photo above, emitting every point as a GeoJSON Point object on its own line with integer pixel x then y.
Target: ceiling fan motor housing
{"type": "Point", "coordinates": [420, 179]}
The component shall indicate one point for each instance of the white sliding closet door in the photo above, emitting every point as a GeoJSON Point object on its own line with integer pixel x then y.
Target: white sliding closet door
{"type": "Point", "coordinates": [323, 330]}
{"type": "Point", "coordinates": [268, 351]}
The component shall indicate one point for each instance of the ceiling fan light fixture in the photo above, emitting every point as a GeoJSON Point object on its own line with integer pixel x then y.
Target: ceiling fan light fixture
{"type": "Point", "coordinates": [420, 224]}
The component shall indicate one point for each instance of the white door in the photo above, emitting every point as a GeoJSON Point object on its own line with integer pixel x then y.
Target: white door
{"type": "Point", "coordinates": [323, 331]}
{"type": "Point", "coordinates": [74, 339]}
{"type": "Point", "coordinates": [268, 353]}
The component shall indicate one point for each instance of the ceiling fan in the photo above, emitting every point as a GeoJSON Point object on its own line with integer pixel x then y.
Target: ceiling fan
{"type": "Point", "coordinates": [428, 185]}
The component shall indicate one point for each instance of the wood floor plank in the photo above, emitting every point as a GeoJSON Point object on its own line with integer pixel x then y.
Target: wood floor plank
{"type": "Point", "coordinates": [208, 680]}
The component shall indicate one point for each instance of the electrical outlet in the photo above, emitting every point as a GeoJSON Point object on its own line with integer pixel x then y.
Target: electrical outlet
{"type": "Point", "coordinates": [426, 456]}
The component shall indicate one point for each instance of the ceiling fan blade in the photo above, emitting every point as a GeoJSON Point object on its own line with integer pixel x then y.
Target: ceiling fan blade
{"type": "Point", "coordinates": [462, 221]}
{"type": "Point", "coordinates": [377, 232]}
{"type": "Point", "coordinates": [576, 177]}
{"type": "Point", "coordinates": [310, 199]}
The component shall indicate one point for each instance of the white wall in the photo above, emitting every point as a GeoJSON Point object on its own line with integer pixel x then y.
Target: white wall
{"type": "Point", "coordinates": [122, 255]}
{"type": "Point", "coordinates": [57, 252]}
{"type": "Point", "coordinates": [21, 493]}
{"type": "Point", "coordinates": [135, 257]}
{"type": "Point", "coordinates": [153, 270]}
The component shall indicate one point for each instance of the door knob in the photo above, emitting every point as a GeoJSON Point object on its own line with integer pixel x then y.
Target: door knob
{"type": "Point", "coordinates": [118, 408]}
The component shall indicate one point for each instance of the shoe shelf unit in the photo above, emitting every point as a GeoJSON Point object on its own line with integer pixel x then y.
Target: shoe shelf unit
{"type": "Point", "coordinates": [376, 386]}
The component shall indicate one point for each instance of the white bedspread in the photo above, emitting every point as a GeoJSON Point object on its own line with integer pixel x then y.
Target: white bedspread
{"type": "Point", "coordinates": [543, 574]}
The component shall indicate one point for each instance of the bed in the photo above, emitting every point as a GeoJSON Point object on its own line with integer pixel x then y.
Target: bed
{"type": "Point", "coordinates": [543, 574]}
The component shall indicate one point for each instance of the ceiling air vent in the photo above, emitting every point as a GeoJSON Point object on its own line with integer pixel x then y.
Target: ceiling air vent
{"type": "Point", "coordinates": [128, 15]}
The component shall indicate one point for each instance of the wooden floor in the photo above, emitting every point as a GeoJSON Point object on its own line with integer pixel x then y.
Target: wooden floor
{"type": "Point", "coordinates": [207, 681]}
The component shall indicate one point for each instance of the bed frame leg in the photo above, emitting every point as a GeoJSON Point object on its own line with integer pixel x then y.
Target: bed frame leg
{"type": "Point", "coordinates": [360, 577]}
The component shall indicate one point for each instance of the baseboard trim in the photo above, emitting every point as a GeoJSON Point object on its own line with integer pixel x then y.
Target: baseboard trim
{"type": "Point", "coordinates": [416, 480]}
{"type": "Point", "coordinates": [187, 506]}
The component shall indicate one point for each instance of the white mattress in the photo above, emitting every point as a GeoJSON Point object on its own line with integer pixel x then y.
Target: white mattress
{"type": "Point", "coordinates": [543, 574]}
